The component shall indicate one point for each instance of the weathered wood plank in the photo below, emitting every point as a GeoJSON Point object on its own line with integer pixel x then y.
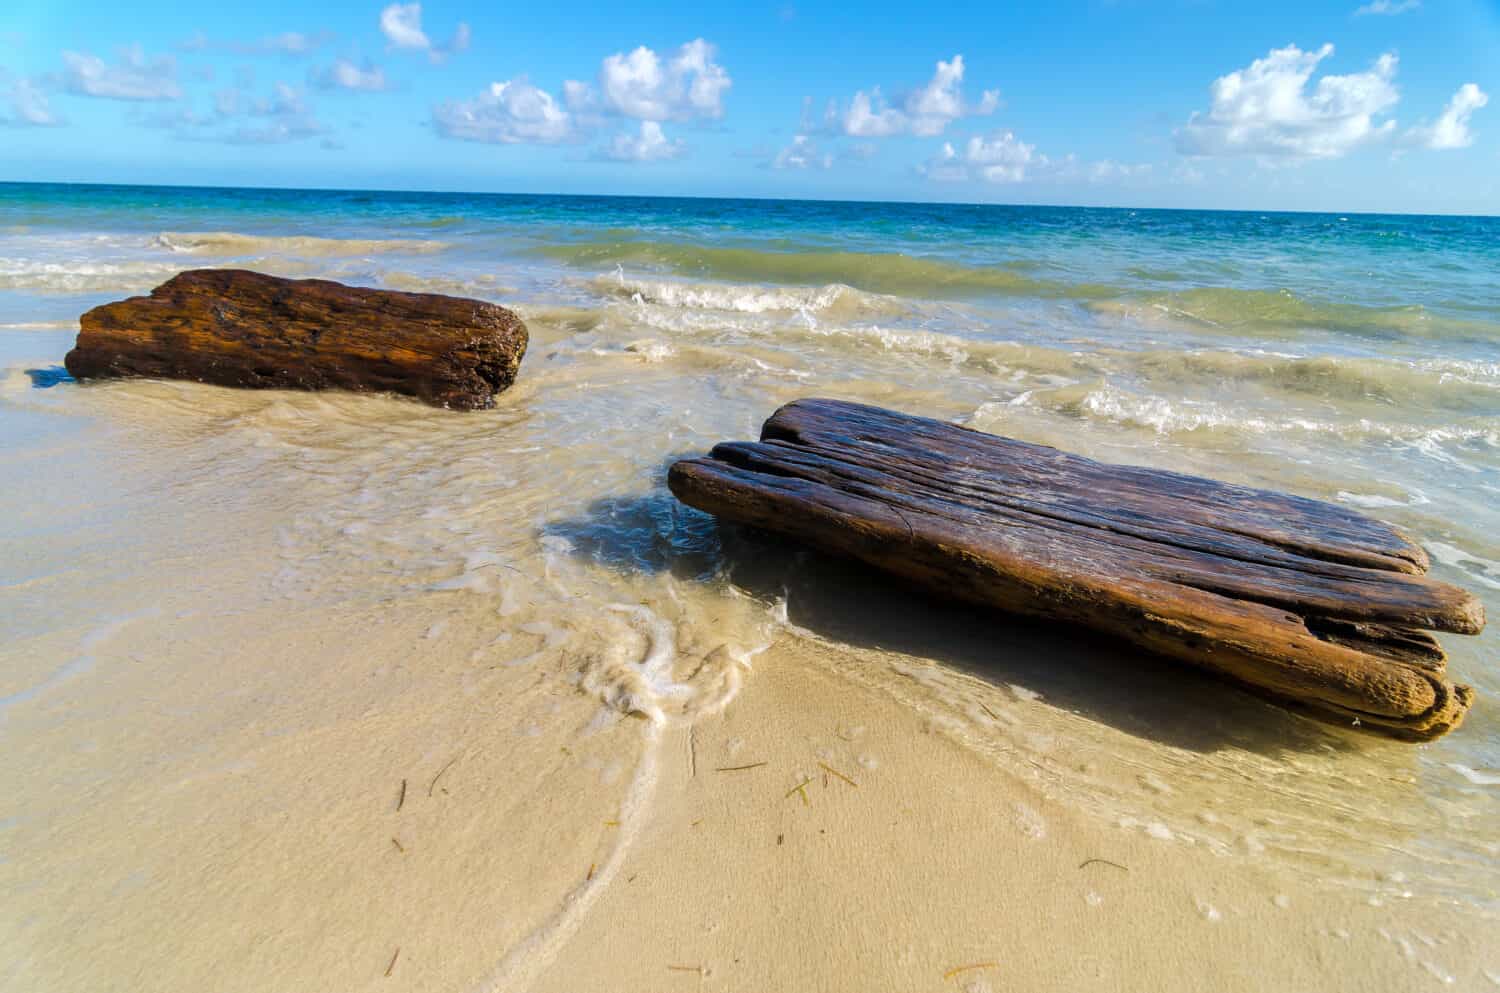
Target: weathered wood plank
{"type": "Point", "coordinates": [232, 327]}
{"type": "Point", "coordinates": [1304, 600]}
{"type": "Point", "coordinates": [1157, 497]}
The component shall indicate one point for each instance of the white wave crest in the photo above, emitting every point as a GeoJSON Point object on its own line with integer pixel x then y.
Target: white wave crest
{"type": "Point", "coordinates": [231, 243]}
{"type": "Point", "coordinates": [1477, 568]}
{"type": "Point", "coordinates": [81, 277]}
{"type": "Point", "coordinates": [1167, 416]}
{"type": "Point", "coordinates": [644, 679]}
{"type": "Point", "coordinates": [833, 298]}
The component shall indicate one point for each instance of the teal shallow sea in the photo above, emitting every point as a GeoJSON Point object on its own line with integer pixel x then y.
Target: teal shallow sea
{"type": "Point", "coordinates": [1353, 358]}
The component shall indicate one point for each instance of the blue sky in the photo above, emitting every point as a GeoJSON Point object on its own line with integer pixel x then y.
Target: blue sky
{"type": "Point", "coordinates": [1390, 105]}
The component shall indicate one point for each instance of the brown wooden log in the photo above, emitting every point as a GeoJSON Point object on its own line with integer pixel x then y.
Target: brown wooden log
{"type": "Point", "coordinates": [1302, 600]}
{"type": "Point", "coordinates": [231, 327]}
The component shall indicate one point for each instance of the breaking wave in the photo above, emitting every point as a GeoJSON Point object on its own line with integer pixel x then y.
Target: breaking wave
{"type": "Point", "coordinates": [877, 272]}
{"type": "Point", "coordinates": [484, 286]}
{"type": "Point", "coordinates": [829, 317]}
{"type": "Point", "coordinates": [833, 299]}
{"type": "Point", "coordinates": [112, 277]}
{"type": "Point", "coordinates": [1271, 311]}
{"type": "Point", "coordinates": [75, 277]}
{"type": "Point", "coordinates": [1172, 416]}
{"type": "Point", "coordinates": [1268, 312]}
{"type": "Point", "coordinates": [1457, 385]}
{"type": "Point", "coordinates": [230, 243]}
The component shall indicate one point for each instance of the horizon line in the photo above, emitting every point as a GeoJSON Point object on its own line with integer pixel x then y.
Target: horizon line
{"type": "Point", "coordinates": [753, 199]}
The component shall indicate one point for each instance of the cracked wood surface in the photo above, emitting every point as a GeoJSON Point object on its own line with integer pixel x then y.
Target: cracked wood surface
{"type": "Point", "coordinates": [1305, 601]}
{"type": "Point", "coordinates": [232, 327]}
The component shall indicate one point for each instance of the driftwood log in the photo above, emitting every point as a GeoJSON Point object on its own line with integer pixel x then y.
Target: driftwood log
{"type": "Point", "coordinates": [1301, 600]}
{"type": "Point", "coordinates": [237, 328]}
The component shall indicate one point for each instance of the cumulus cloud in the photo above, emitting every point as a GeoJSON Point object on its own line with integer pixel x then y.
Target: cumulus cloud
{"type": "Point", "coordinates": [507, 113]}
{"type": "Point", "coordinates": [401, 23]}
{"type": "Point", "coordinates": [1451, 129]}
{"type": "Point", "coordinates": [1003, 158]}
{"type": "Point", "coordinates": [647, 87]}
{"type": "Point", "coordinates": [1387, 7]}
{"type": "Point", "coordinates": [651, 145]}
{"type": "Point", "coordinates": [802, 153]}
{"type": "Point", "coordinates": [24, 104]}
{"type": "Point", "coordinates": [642, 85]}
{"type": "Point", "coordinates": [925, 111]}
{"type": "Point", "coordinates": [134, 77]}
{"type": "Point", "coordinates": [345, 75]}
{"type": "Point", "coordinates": [1268, 109]}
{"type": "Point", "coordinates": [1000, 158]}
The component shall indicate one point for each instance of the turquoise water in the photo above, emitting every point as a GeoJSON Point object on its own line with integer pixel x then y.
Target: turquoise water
{"type": "Point", "coordinates": [1353, 358]}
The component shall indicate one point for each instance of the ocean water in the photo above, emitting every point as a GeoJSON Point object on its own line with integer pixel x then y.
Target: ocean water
{"type": "Point", "coordinates": [1349, 358]}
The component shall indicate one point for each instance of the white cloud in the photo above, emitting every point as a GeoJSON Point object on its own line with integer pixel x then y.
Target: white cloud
{"type": "Point", "coordinates": [578, 96]}
{"type": "Point", "coordinates": [134, 78]}
{"type": "Point", "coordinates": [644, 86]}
{"type": "Point", "coordinates": [292, 43]}
{"type": "Point", "coordinates": [401, 23]}
{"type": "Point", "coordinates": [687, 85]}
{"type": "Point", "coordinates": [460, 40]}
{"type": "Point", "coordinates": [1107, 170]}
{"type": "Point", "coordinates": [1451, 129]}
{"type": "Point", "coordinates": [239, 119]}
{"type": "Point", "coordinates": [1268, 110]}
{"type": "Point", "coordinates": [925, 111]}
{"type": "Point", "coordinates": [282, 118]}
{"type": "Point", "coordinates": [1003, 158]}
{"type": "Point", "coordinates": [651, 145]}
{"type": "Point", "coordinates": [345, 75]}
{"type": "Point", "coordinates": [507, 113]}
{"type": "Point", "coordinates": [802, 153]}
{"type": "Point", "coordinates": [1388, 7]}
{"type": "Point", "coordinates": [1000, 158]}
{"type": "Point", "coordinates": [24, 104]}
{"type": "Point", "coordinates": [289, 43]}
{"type": "Point", "coordinates": [870, 117]}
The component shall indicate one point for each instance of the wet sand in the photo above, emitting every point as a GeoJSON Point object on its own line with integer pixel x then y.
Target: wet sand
{"type": "Point", "coordinates": [323, 799]}
{"type": "Point", "coordinates": [329, 692]}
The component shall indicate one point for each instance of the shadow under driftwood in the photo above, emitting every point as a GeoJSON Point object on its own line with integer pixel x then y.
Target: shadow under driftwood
{"type": "Point", "coordinates": [45, 379]}
{"type": "Point", "coordinates": [1088, 674]}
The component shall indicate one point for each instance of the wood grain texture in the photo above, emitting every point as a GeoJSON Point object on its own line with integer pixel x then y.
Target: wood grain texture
{"type": "Point", "coordinates": [231, 327]}
{"type": "Point", "coordinates": [1302, 600]}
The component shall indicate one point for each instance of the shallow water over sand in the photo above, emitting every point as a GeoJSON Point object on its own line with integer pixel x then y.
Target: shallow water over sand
{"type": "Point", "coordinates": [222, 605]}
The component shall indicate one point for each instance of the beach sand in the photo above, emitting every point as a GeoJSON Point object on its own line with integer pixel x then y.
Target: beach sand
{"type": "Point", "coordinates": [323, 692]}
{"type": "Point", "coordinates": [244, 826]}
